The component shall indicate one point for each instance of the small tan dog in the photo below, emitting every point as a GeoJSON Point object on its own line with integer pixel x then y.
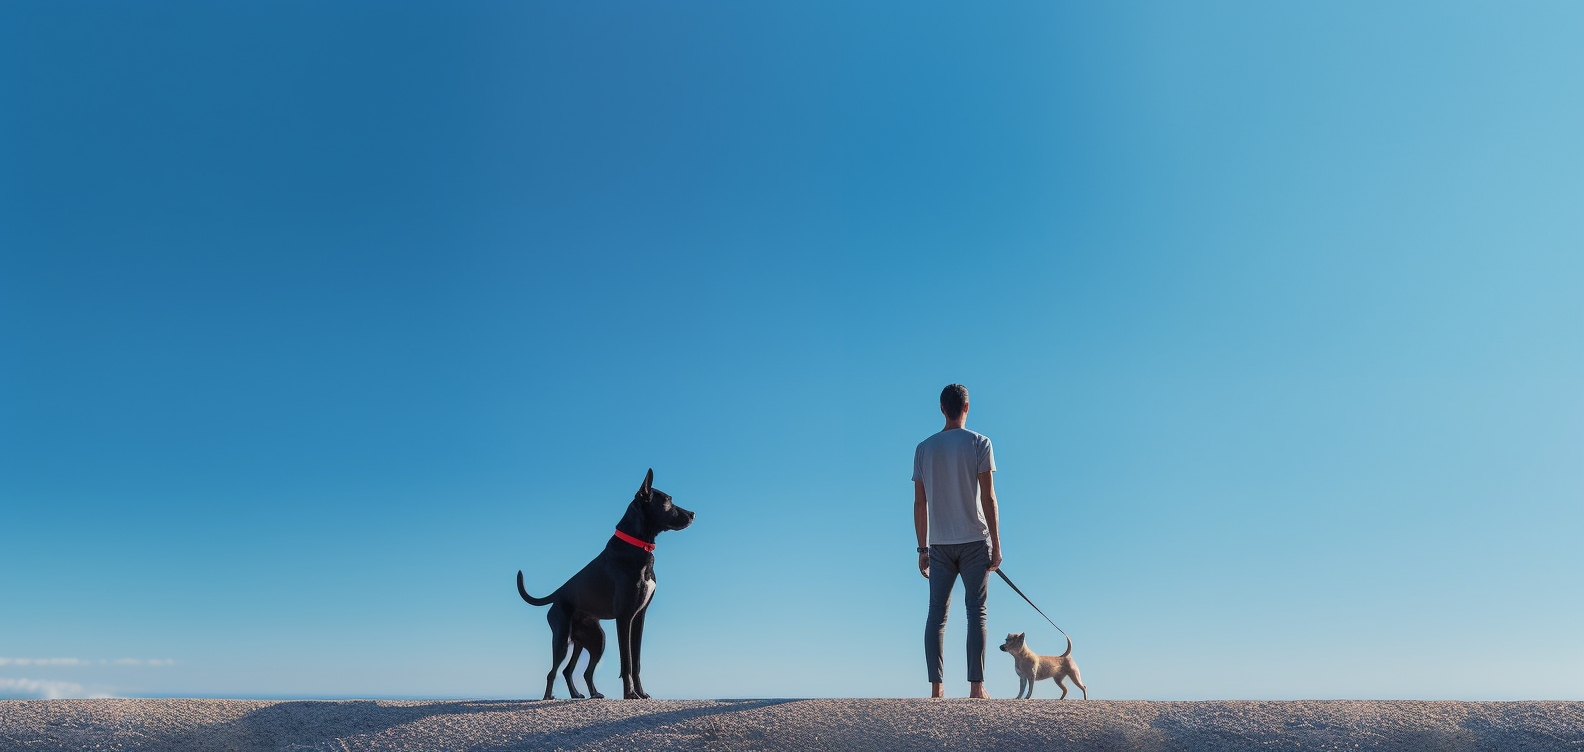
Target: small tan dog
{"type": "Point", "coordinates": [1031, 668]}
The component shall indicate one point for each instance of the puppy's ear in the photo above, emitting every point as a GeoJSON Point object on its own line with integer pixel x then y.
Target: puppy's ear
{"type": "Point", "coordinates": [648, 483]}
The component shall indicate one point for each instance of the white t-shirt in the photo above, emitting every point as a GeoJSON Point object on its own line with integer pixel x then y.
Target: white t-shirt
{"type": "Point", "coordinates": [949, 463]}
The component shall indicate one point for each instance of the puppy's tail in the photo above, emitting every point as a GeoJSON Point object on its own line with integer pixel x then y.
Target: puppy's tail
{"type": "Point", "coordinates": [532, 601]}
{"type": "Point", "coordinates": [1063, 655]}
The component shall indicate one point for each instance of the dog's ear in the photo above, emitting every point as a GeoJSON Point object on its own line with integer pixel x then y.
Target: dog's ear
{"type": "Point", "coordinates": [648, 483]}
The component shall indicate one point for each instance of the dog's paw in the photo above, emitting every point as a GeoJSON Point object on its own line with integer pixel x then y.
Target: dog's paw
{"type": "Point", "coordinates": [577, 695]}
{"type": "Point", "coordinates": [596, 696]}
{"type": "Point", "coordinates": [548, 696]}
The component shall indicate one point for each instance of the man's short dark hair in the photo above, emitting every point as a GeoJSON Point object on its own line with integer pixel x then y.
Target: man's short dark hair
{"type": "Point", "coordinates": [954, 399]}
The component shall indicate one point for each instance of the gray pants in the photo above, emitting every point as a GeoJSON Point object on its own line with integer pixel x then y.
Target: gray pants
{"type": "Point", "coordinates": [972, 561]}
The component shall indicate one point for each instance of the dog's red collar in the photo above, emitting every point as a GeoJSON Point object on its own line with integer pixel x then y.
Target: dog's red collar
{"type": "Point", "coordinates": [629, 539]}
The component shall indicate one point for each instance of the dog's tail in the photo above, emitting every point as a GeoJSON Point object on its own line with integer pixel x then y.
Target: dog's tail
{"type": "Point", "coordinates": [1063, 655]}
{"type": "Point", "coordinates": [532, 601]}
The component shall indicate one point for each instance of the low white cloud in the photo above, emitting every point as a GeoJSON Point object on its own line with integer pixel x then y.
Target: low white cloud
{"type": "Point", "coordinates": [56, 689]}
{"type": "Point", "coordinates": [43, 689]}
{"type": "Point", "coordinates": [43, 662]}
{"type": "Point", "coordinates": [80, 662]}
{"type": "Point", "coordinates": [140, 662]}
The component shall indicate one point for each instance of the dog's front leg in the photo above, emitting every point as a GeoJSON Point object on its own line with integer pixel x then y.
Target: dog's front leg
{"type": "Point", "coordinates": [624, 631]}
{"type": "Point", "coordinates": [1023, 683]}
{"type": "Point", "coordinates": [637, 653]}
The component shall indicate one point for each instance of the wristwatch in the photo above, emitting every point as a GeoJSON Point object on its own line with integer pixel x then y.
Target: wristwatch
{"type": "Point", "coordinates": [923, 550]}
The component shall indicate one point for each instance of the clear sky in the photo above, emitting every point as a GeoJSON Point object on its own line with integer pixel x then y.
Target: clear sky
{"type": "Point", "coordinates": [318, 321]}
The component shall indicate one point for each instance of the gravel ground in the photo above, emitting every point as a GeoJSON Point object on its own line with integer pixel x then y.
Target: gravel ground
{"type": "Point", "coordinates": [864, 725]}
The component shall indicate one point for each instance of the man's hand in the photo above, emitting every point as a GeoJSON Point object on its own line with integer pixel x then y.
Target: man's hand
{"type": "Point", "coordinates": [995, 558]}
{"type": "Point", "coordinates": [924, 565]}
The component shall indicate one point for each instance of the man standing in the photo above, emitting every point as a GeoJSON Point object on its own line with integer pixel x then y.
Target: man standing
{"type": "Point", "coordinates": [958, 527]}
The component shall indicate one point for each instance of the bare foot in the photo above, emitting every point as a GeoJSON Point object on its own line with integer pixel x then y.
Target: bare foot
{"type": "Point", "coordinates": [977, 691]}
{"type": "Point", "coordinates": [937, 690]}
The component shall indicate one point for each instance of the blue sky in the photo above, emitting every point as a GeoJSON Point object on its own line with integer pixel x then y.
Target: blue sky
{"type": "Point", "coordinates": [319, 321]}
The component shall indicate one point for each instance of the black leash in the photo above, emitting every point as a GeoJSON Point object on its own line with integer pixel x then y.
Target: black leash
{"type": "Point", "coordinates": [1008, 581]}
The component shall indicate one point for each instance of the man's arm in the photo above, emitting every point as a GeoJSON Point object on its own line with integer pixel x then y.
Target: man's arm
{"type": "Point", "coordinates": [921, 524]}
{"type": "Point", "coordinates": [992, 514]}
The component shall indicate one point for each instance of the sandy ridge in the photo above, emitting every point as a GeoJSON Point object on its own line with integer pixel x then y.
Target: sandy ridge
{"type": "Point", "coordinates": [839, 724]}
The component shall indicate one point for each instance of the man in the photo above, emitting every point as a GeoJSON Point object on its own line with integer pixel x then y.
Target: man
{"type": "Point", "coordinates": [958, 527]}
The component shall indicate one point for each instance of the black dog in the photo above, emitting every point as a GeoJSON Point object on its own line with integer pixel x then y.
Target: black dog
{"type": "Point", "coordinates": [618, 584]}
